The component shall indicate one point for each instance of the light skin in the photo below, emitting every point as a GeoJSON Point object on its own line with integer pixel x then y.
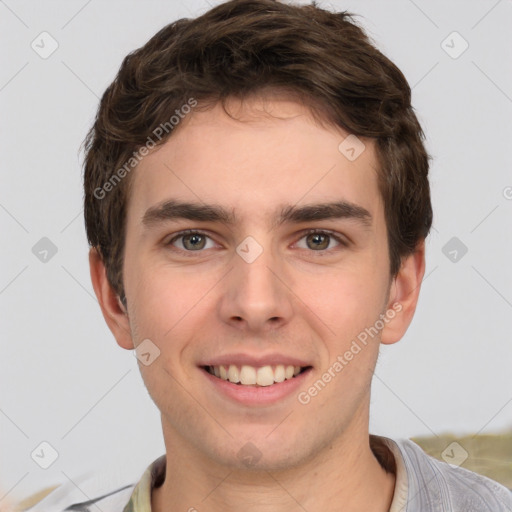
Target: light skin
{"type": "Point", "coordinates": [306, 297]}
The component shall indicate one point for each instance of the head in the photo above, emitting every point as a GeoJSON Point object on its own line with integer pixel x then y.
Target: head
{"type": "Point", "coordinates": [235, 124]}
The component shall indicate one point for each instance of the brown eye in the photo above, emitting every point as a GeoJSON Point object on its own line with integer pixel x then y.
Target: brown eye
{"type": "Point", "coordinates": [192, 241]}
{"type": "Point", "coordinates": [320, 241]}
{"type": "Point", "coordinates": [317, 241]}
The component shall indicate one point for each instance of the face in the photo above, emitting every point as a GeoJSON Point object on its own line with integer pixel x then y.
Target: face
{"type": "Point", "coordinates": [256, 250]}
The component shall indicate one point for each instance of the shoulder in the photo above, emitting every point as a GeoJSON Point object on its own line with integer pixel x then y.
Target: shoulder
{"type": "Point", "coordinates": [434, 485]}
{"type": "Point", "coordinates": [83, 494]}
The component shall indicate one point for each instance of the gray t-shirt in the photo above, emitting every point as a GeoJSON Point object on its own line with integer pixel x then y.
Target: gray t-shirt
{"type": "Point", "coordinates": [423, 484]}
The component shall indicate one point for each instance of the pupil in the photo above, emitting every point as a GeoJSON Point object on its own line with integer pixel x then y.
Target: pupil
{"type": "Point", "coordinates": [317, 237]}
{"type": "Point", "coordinates": [194, 241]}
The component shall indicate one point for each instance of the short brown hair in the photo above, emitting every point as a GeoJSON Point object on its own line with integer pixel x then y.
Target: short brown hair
{"type": "Point", "coordinates": [239, 48]}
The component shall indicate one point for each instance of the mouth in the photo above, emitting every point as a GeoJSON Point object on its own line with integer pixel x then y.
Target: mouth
{"type": "Point", "coordinates": [252, 376]}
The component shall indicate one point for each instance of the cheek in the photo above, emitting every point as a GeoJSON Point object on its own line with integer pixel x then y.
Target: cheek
{"type": "Point", "coordinates": [166, 300]}
{"type": "Point", "coordinates": [350, 299]}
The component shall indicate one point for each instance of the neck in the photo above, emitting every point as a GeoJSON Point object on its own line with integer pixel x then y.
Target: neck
{"type": "Point", "coordinates": [344, 474]}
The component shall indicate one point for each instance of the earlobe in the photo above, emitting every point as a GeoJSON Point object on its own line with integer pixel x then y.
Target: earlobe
{"type": "Point", "coordinates": [113, 310]}
{"type": "Point", "coordinates": [403, 296]}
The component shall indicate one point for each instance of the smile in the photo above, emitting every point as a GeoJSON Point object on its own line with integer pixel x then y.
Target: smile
{"type": "Point", "coordinates": [246, 375]}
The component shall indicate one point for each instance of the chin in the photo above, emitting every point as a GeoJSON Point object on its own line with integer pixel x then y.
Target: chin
{"type": "Point", "coordinates": [260, 453]}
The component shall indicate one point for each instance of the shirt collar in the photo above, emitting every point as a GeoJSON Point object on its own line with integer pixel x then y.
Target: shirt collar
{"type": "Point", "coordinates": [140, 500]}
{"type": "Point", "coordinates": [154, 475]}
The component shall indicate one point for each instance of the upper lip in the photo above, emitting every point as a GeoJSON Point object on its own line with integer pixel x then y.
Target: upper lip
{"type": "Point", "coordinates": [240, 359]}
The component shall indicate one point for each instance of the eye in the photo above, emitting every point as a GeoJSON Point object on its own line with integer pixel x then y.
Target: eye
{"type": "Point", "coordinates": [315, 240]}
{"type": "Point", "coordinates": [191, 241]}
{"type": "Point", "coordinates": [320, 240]}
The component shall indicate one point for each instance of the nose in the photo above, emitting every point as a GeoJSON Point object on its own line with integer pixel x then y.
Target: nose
{"type": "Point", "coordinates": [255, 296]}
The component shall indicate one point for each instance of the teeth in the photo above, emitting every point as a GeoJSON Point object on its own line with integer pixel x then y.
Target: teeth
{"type": "Point", "coordinates": [233, 374]}
{"type": "Point", "coordinates": [247, 375]}
{"type": "Point", "coordinates": [250, 376]}
{"type": "Point", "coordinates": [279, 373]}
{"type": "Point", "coordinates": [265, 376]}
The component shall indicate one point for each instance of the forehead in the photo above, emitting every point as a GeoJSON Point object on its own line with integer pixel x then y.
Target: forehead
{"type": "Point", "coordinates": [269, 154]}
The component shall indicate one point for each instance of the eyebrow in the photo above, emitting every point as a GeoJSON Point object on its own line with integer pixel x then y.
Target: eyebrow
{"type": "Point", "coordinates": [175, 210]}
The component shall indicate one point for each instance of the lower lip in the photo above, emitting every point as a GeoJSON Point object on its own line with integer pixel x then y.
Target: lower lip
{"type": "Point", "coordinates": [258, 395]}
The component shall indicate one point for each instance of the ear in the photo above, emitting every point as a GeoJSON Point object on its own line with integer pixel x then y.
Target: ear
{"type": "Point", "coordinates": [113, 310]}
{"type": "Point", "coordinates": [403, 295]}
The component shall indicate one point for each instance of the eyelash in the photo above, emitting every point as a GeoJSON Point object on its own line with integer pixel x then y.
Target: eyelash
{"type": "Point", "coordinates": [303, 234]}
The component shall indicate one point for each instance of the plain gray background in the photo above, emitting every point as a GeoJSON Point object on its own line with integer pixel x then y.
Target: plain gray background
{"type": "Point", "coordinates": [65, 381]}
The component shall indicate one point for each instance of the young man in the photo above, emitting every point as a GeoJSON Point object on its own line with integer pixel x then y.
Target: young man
{"type": "Point", "coordinates": [257, 200]}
